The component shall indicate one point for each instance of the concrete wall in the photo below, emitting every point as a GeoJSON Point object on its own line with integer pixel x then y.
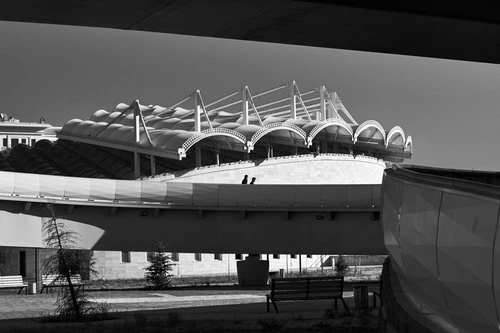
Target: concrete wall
{"type": "Point", "coordinates": [109, 264]}
{"type": "Point", "coordinates": [301, 169]}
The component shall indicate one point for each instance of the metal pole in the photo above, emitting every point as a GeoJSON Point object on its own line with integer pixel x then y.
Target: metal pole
{"type": "Point", "coordinates": [293, 101]}
{"type": "Point", "coordinates": [197, 112]}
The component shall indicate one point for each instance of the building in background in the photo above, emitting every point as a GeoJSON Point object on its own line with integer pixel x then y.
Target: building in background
{"type": "Point", "coordinates": [13, 132]}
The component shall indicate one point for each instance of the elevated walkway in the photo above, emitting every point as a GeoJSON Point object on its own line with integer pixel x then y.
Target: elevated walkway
{"type": "Point", "coordinates": [203, 217]}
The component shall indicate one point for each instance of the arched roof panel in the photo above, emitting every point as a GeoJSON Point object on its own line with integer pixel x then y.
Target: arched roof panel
{"type": "Point", "coordinates": [185, 124]}
{"type": "Point", "coordinates": [99, 115]}
{"type": "Point", "coordinates": [211, 133]}
{"type": "Point", "coordinates": [371, 130]}
{"type": "Point", "coordinates": [334, 125]}
{"type": "Point", "coordinates": [396, 137]}
{"type": "Point", "coordinates": [281, 126]}
{"type": "Point", "coordinates": [409, 144]}
{"type": "Point", "coordinates": [70, 126]}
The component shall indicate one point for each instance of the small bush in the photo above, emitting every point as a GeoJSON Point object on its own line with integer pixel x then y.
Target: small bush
{"type": "Point", "coordinates": [341, 265]}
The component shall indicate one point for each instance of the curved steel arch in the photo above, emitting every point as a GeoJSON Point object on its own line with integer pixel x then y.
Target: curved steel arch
{"type": "Point", "coordinates": [275, 127]}
{"type": "Point", "coordinates": [393, 132]}
{"type": "Point", "coordinates": [409, 143]}
{"type": "Point", "coordinates": [367, 124]}
{"type": "Point", "coordinates": [213, 132]}
{"type": "Point", "coordinates": [329, 122]}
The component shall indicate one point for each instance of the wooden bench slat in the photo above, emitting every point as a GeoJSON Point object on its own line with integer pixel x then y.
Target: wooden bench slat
{"type": "Point", "coordinates": [13, 282]}
{"type": "Point", "coordinates": [306, 288]}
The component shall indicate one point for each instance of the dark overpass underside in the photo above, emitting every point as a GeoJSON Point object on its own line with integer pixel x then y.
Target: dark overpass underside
{"type": "Point", "coordinates": [463, 32]}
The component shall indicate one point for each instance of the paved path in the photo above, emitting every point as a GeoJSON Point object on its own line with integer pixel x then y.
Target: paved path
{"type": "Point", "coordinates": [28, 306]}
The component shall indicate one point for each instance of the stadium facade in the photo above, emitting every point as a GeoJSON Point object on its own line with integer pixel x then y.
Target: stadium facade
{"type": "Point", "coordinates": [279, 136]}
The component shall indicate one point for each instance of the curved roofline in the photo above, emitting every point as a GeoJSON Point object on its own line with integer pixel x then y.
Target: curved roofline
{"type": "Point", "coordinates": [409, 142]}
{"type": "Point", "coordinates": [395, 131]}
{"type": "Point", "coordinates": [213, 132]}
{"type": "Point", "coordinates": [276, 127]}
{"type": "Point", "coordinates": [367, 124]}
{"type": "Point", "coordinates": [330, 122]}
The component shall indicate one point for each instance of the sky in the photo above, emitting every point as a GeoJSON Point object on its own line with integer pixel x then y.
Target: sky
{"type": "Point", "coordinates": [450, 108]}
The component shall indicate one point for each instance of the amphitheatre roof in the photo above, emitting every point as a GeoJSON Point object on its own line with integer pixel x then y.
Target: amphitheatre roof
{"type": "Point", "coordinates": [239, 121]}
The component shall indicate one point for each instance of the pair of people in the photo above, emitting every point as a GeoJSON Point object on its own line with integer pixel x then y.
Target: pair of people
{"type": "Point", "coordinates": [245, 180]}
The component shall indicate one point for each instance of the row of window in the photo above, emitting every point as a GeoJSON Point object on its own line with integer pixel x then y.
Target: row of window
{"type": "Point", "coordinates": [14, 142]}
{"type": "Point", "coordinates": [197, 256]}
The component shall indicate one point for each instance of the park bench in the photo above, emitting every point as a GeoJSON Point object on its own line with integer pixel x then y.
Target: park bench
{"type": "Point", "coordinates": [13, 282]}
{"type": "Point", "coordinates": [54, 281]}
{"type": "Point", "coordinates": [306, 288]}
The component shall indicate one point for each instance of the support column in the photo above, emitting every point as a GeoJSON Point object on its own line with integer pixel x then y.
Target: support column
{"type": "Point", "coordinates": [295, 150]}
{"type": "Point", "coordinates": [217, 157]}
{"type": "Point", "coordinates": [197, 149]}
{"type": "Point", "coordinates": [322, 92]}
{"type": "Point", "coordinates": [246, 156]}
{"type": "Point", "coordinates": [293, 101]}
{"type": "Point", "coordinates": [137, 129]}
{"type": "Point", "coordinates": [244, 98]}
{"type": "Point", "coordinates": [197, 111]}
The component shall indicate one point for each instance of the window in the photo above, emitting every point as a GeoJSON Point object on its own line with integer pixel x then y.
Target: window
{"type": "Point", "coordinates": [276, 256]}
{"type": "Point", "coordinates": [197, 256]}
{"type": "Point", "coordinates": [309, 256]}
{"type": "Point", "coordinates": [174, 256]}
{"type": "Point", "coordinates": [5, 142]}
{"type": "Point", "coordinates": [238, 256]}
{"type": "Point", "coordinates": [293, 256]}
{"type": "Point", "coordinates": [217, 256]}
{"type": "Point", "coordinates": [149, 256]}
{"type": "Point", "coordinates": [125, 256]}
{"type": "Point", "coordinates": [23, 141]}
{"type": "Point", "coordinates": [14, 142]}
{"type": "Point", "coordinates": [33, 141]}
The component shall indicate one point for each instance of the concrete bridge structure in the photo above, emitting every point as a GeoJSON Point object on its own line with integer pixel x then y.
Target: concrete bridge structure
{"type": "Point", "coordinates": [341, 216]}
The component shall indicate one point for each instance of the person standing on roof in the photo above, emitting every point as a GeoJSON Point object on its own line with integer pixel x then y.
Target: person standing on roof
{"type": "Point", "coordinates": [245, 180]}
{"type": "Point", "coordinates": [253, 180]}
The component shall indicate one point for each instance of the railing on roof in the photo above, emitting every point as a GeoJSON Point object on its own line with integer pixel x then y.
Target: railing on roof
{"type": "Point", "coordinates": [213, 132]}
{"type": "Point", "coordinates": [274, 126]}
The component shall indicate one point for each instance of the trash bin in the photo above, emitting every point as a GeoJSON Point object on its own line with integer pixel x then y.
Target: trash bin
{"type": "Point", "coordinates": [31, 287]}
{"type": "Point", "coordinates": [360, 297]}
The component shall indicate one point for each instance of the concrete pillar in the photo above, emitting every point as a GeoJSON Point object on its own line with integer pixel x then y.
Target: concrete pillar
{"type": "Point", "coordinates": [293, 101]}
{"type": "Point", "coordinates": [197, 111]}
{"type": "Point", "coordinates": [322, 92]}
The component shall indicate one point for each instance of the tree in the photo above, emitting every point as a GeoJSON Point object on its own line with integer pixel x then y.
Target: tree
{"type": "Point", "coordinates": [158, 272]}
{"type": "Point", "coordinates": [65, 261]}
{"type": "Point", "coordinates": [341, 265]}
{"type": "Point", "coordinates": [5, 261]}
